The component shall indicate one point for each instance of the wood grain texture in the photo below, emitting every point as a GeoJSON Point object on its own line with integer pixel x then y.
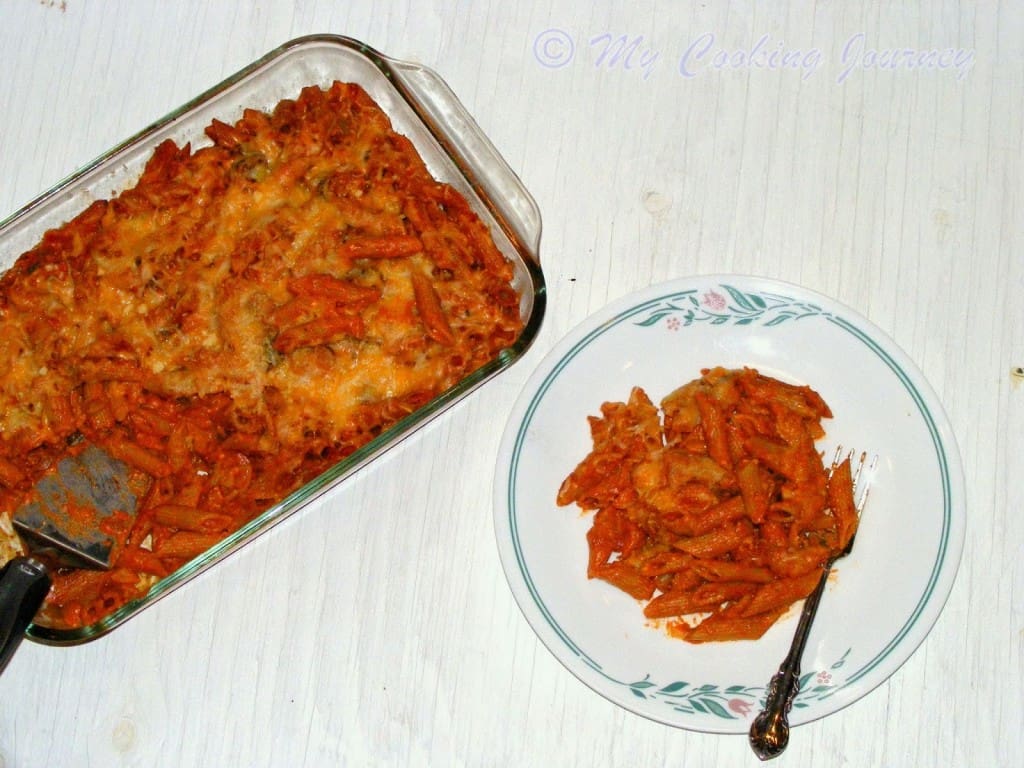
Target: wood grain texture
{"type": "Point", "coordinates": [376, 627]}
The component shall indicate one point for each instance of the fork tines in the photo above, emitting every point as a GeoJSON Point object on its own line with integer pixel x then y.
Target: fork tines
{"type": "Point", "coordinates": [859, 464]}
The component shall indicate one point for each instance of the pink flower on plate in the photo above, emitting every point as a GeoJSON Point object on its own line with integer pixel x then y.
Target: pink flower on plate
{"type": "Point", "coordinates": [713, 301]}
{"type": "Point", "coordinates": [673, 323]}
{"type": "Point", "coordinates": [824, 678]}
{"type": "Point", "coordinates": [740, 706]}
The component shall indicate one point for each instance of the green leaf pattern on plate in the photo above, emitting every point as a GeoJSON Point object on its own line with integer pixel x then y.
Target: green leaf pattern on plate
{"type": "Point", "coordinates": [732, 702]}
{"type": "Point", "coordinates": [734, 307]}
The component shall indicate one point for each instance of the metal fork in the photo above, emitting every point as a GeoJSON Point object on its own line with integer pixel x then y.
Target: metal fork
{"type": "Point", "coordinates": [769, 733]}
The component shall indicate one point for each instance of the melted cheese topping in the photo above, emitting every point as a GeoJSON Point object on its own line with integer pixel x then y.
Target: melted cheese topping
{"type": "Point", "coordinates": [283, 295]}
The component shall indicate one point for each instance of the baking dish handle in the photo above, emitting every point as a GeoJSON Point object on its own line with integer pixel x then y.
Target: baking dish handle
{"type": "Point", "coordinates": [476, 156]}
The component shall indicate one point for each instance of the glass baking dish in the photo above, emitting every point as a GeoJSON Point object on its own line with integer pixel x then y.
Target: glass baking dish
{"type": "Point", "coordinates": [420, 106]}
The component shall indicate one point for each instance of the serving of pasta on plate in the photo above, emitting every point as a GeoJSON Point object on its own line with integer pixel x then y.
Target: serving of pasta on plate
{"type": "Point", "coordinates": [715, 509]}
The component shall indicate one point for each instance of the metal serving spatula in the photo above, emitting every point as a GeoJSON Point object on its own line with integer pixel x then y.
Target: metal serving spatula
{"type": "Point", "coordinates": [60, 524]}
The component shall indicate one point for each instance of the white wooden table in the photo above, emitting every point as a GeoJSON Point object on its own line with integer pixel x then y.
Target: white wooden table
{"type": "Point", "coordinates": [376, 627]}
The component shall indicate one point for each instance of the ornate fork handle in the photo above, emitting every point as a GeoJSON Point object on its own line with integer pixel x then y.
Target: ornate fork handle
{"type": "Point", "coordinates": [769, 733]}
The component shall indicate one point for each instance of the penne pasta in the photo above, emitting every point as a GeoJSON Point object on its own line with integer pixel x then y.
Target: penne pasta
{"type": "Point", "coordinates": [781, 593]}
{"type": "Point", "coordinates": [322, 330]}
{"type": "Point", "coordinates": [391, 247]}
{"type": "Point", "coordinates": [326, 286]}
{"type": "Point", "coordinates": [240, 320]}
{"type": "Point", "coordinates": [716, 512]}
{"type": "Point", "coordinates": [186, 518]}
{"type": "Point", "coordinates": [431, 312]}
{"type": "Point", "coordinates": [136, 456]}
{"type": "Point", "coordinates": [186, 545]}
{"type": "Point", "coordinates": [721, 627]}
{"type": "Point", "coordinates": [704, 597]}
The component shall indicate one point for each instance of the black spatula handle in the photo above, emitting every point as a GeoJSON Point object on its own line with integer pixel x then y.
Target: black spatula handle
{"type": "Point", "coordinates": [24, 583]}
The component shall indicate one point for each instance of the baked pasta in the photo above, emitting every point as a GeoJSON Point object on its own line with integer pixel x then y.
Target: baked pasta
{"type": "Point", "coordinates": [714, 509]}
{"type": "Point", "coordinates": [244, 317]}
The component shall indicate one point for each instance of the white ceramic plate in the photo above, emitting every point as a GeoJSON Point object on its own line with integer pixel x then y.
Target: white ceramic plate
{"type": "Point", "coordinates": [888, 592]}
